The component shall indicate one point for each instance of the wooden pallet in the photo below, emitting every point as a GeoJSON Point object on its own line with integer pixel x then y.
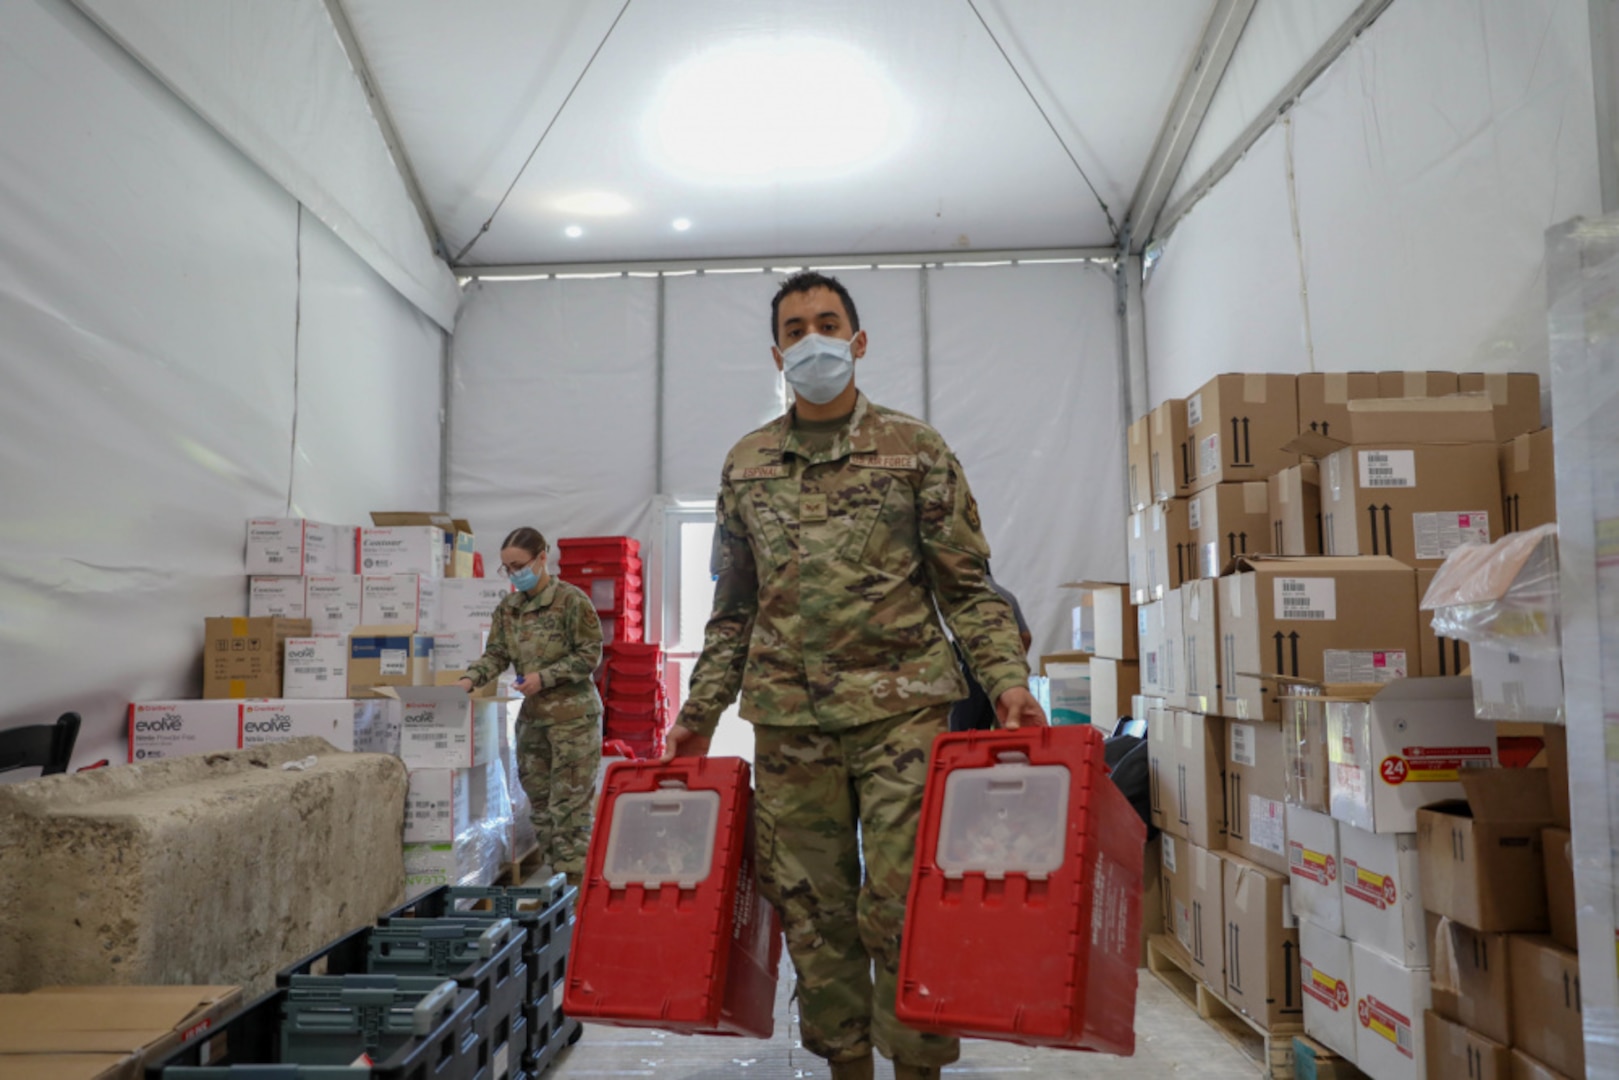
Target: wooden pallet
{"type": "Point", "coordinates": [1271, 1050]}
{"type": "Point", "coordinates": [520, 869]}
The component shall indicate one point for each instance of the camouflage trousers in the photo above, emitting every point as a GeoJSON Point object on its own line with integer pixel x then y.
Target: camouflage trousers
{"type": "Point", "coordinates": [824, 800]}
{"type": "Point", "coordinates": [557, 762]}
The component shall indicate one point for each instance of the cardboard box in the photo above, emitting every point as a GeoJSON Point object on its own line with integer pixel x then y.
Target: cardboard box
{"type": "Point", "coordinates": [1070, 690]}
{"type": "Point", "coordinates": [332, 602]}
{"type": "Point", "coordinates": [1293, 498]}
{"type": "Point", "coordinates": [1481, 858]}
{"type": "Point", "coordinates": [1171, 641]}
{"type": "Point", "coordinates": [405, 549]}
{"type": "Point", "coordinates": [242, 658]}
{"type": "Point", "coordinates": [169, 729]}
{"type": "Point", "coordinates": [1454, 1050]}
{"type": "Point", "coordinates": [1152, 895]}
{"type": "Point", "coordinates": [1528, 482]}
{"type": "Point", "coordinates": [1262, 945]}
{"type": "Point", "coordinates": [1113, 684]}
{"type": "Point", "coordinates": [1200, 647]}
{"type": "Point", "coordinates": [470, 603]}
{"type": "Point", "coordinates": [442, 728]}
{"type": "Point", "coordinates": [292, 547]}
{"type": "Point", "coordinates": [1324, 398]}
{"type": "Point", "coordinates": [464, 551]}
{"type": "Point", "coordinates": [1547, 1021]}
{"type": "Point", "coordinates": [1226, 521]}
{"type": "Point", "coordinates": [1525, 1067]}
{"type": "Point", "coordinates": [400, 600]}
{"type": "Point", "coordinates": [1557, 775]}
{"type": "Point", "coordinates": [316, 667]}
{"type": "Point", "coordinates": [1472, 977]}
{"type": "Point", "coordinates": [1304, 746]}
{"type": "Point", "coordinates": [382, 656]}
{"type": "Point", "coordinates": [1516, 685]}
{"type": "Point", "coordinates": [1238, 425]}
{"type": "Point", "coordinates": [104, 1032]}
{"type": "Point", "coordinates": [1255, 784]}
{"type": "Point", "coordinates": [1170, 445]}
{"type": "Point", "coordinates": [1163, 787]}
{"type": "Point", "coordinates": [1171, 554]}
{"type": "Point", "coordinates": [437, 805]}
{"type": "Point", "coordinates": [1138, 456]}
{"type": "Point", "coordinates": [1312, 866]}
{"type": "Point", "coordinates": [1558, 847]}
{"type": "Point", "coordinates": [1390, 1000]}
{"type": "Point", "coordinates": [1199, 799]}
{"type": "Point", "coordinates": [264, 722]}
{"type": "Point", "coordinates": [1514, 397]}
{"type": "Point", "coordinates": [272, 597]}
{"type": "Point", "coordinates": [1161, 649]}
{"type": "Point", "coordinates": [456, 650]}
{"type": "Point", "coordinates": [1135, 541]}
{"type": "Point", "coordinates": [1395, 749]}
{"type": "Point", "coordinates": [1416, 503]}
{"type": "Point", "coordinates": [1440, 656]}
{"type": "Point", "coordinates": [1206, 882]}
{"type": "Point", "coordinates": [1104, 620]}
{"type": "Point", "coordinates": [1382, 891]}
{"type": "Point", "coordinates": [1175, 871]}
{"type": "Point", "coordinates": [1297, 617]}
{"type": "Point", "coordinates": [1327, 978]}
{"type": "Point", "coordinates": [1416, 384]}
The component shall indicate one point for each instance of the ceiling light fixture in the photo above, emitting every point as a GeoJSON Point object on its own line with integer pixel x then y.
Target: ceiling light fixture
{"type": "Point", "coordinates": [594, 204]}
{"type": "Point", "coordinates": [730, 115]}
{"type": "Point", "coordinates": [682, 224]}
{"type": "Point", "coordinates": [573, 232]}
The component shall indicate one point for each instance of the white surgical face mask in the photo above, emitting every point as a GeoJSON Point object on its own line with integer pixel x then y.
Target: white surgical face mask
{"type": "Point", "coordinates": [818, 368]}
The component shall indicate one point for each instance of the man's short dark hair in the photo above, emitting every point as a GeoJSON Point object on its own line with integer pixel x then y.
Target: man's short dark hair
{"type": "Point", "coordinates": [803, 282]}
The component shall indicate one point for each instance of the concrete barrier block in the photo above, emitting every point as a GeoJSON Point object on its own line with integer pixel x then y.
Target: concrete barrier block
{"type": "Point", "coordinates": [219, 868]}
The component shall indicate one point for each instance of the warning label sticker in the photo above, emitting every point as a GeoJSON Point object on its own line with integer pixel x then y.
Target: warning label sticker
{"type": "Point", "coordinates": [1369, 886]}
{"type": "Point", "coordinates": [1266, 827]}
{"type": "Point", "coordinates": [1388, 468]}
{"type": "Point", "coordinates": [1316, 866]}
{"type": "Point", "coordinates": [1208, 455]}
{"type": "Point", "coordinates": [1308, 599]}
{"type": "Point", "coordinates": [1331, 992]}
{"type": "Point", "coordinates": [1439, 534]}
{"type": "Point", "coordinates": [1381, 1019]}
{"type": "Point", "coordinates": [1433, 764]}
{"type": "Point", "coordinates": [1364, 665]}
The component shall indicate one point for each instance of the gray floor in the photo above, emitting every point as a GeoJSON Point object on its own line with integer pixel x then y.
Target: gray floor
{"type": "Point", "coordinates": [1170, 1041]}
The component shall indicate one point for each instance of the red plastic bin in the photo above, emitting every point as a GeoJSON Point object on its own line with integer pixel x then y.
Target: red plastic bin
{"type": "Point", "coordinates": [672, 931]}
{"type": "Point", "coordinates": [1024, 916]}
{"type": "Point", "coordinates": [634, 659]}
{"type": "Point", "coordinates": [603, 548]}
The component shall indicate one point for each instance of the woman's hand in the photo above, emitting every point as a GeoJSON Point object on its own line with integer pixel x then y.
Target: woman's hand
{"type": "Point", "coordinates": [466, 684]}
{"type": "Point", "coordinates": [529, 685]}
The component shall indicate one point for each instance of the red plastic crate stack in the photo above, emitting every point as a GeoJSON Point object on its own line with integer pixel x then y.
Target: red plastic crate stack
{"type": "Point", "coordinates": [608, 569]}
{"type": "Point", "coordinates": [638, 710]}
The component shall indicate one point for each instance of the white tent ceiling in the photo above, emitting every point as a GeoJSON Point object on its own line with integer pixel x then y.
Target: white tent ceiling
{"type": "Point", "coordinates": [773, 127]}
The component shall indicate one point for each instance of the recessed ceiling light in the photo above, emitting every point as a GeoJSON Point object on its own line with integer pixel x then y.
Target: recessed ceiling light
{"type": "Point", "coordinates": [719, 117]}
{"type": "Point", "coordinates": [682, 224]}
{"type": "Point", "coordinates": [594, 204]}
{"type": "Point", "coordinates": [573, 232]}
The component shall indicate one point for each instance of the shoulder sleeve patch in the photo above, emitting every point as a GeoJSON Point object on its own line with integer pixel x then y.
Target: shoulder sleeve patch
{"type": "Point", "coordinates": [898, 462]}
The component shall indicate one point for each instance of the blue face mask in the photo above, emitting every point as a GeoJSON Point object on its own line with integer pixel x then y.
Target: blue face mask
{"type": "Point", "coordinates": [818, 368]}
{"type": "Point", "coordinates": [525, 579]}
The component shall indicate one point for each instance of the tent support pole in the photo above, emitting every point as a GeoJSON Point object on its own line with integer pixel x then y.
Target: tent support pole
{"type": "Point", "coordinates": [1605, 83]}
{"type": "Point", "coordinates": [658, 408]}
{"type": "Point", "coordinates": [927, 348]}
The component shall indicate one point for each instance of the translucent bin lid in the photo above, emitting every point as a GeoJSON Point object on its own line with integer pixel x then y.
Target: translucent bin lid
{"type": "Point", "coordinates": [1011, 818]}
{"type": "Point", "coordinates": [662, 837]}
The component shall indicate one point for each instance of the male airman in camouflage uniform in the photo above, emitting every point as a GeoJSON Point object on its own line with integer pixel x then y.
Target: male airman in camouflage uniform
{"type": "Point", "coordinates": [844, 531]}
{"type": "Point", "coordinates": [550, 634]}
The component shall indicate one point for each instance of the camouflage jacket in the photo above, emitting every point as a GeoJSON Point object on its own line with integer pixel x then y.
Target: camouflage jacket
{"type": "Point", "coordinates": [832, 569]}
{"type": "Point", "coordinates": [555, 635]}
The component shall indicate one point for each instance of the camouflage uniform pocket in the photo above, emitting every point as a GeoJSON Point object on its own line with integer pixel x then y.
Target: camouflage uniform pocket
{"type": "Point", "coordinates": [772, 545]}
{"type": "Point", "coordinates": [764, 853]}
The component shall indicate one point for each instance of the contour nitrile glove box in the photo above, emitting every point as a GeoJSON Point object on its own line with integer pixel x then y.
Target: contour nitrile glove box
{"type": "Point", "coordinates": [269, 597]}
{"type": "Point", "coordinates": [332, 602]}
{"type": "Point", "coordinates": [400, 600]}
{"type": "Point", "coordinates": [171, 729]}
{"type": "Point", "coordinates": [292, 546]}
{"type": "Point", "coordinates": [404, 549]}
{"type": "Point", "coordinates": [279, 720]}
{"type": "Point", "coordinates": [470, 603]}
{"type": "Point", "coordinates": [316, 667]}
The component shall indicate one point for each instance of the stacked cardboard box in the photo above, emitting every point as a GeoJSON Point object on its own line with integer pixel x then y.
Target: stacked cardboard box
{"type": "Point", "coordinates": [1105, 641]}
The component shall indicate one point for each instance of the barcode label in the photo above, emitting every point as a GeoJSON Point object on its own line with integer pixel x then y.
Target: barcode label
{"type": "Point", "coordinates": [395, 661]}
{"type": "Point", "coordinates": [1307, 599]}
{"type": "Point", "coordinates": [1439, 534]}
{"type": "Point", "coordinates": [1364, 665]}
{"type": "Point", "coordinates": [1266, 830]}
{"type": "Point", "coordinates": [1194, 410]}
{"type": "Point", "coordinates": [1388, 468]}
{"type": "Point", "coordinates": [1194, 513]}
{"type": "Point", "coordinates": [1169, 854]}
{"type": "Point", "coordinates": [1242, 745]}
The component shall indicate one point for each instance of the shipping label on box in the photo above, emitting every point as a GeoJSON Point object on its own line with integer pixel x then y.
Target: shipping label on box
{"type": "Point", "coordinates": [1313, 868]}
{"type": "Point", "coordinates": [316, 667]}
{"type": "Point", "coordinates": [1383, 894]}
{"type": "Point", "coordinates": [470, 603]}
{"type": "Point", "coordinates": [1404, 748]}
{"type": "Point", "coordinates": [1255, 786]}
{"type": "Point", "coordinates": [171, 729]}
{"type": "Point", "coordinates": [332, 602]}
{"type": "Point", "coordinates": [437, 805]}
{"type": "Point", "coordinates": [442, 728]}
{"type": "Point", "coordinates": [277, 721]}
{"type": "Point", "coordinates": [270, 597]}
{"type": "Point", "coordinates": [1327, 978]}
{"type": "Point", "coordinates": [405, 549]}
{"type": "Point", "coordinates": [1389, 1002]}
{"type": "Point", "coordinates": [400, 600]}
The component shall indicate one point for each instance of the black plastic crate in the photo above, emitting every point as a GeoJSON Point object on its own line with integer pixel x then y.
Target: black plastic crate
{"type": "Point", "coordinates": [316, 1028]}
{"type": "Point", "coordinates": [485, 956]}
{"type": "Point", "coordinates": [545, 911]}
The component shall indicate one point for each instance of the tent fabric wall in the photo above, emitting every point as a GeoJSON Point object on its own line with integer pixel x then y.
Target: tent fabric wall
{"type": "Point", "coordinates": [149, 288]}
{"type": "Point", "coordinates": [275, 80]}
{"type": "Point", "coordinates": [1426, 164]}
{"type": "Point", "coordinates": [1024, 364]}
